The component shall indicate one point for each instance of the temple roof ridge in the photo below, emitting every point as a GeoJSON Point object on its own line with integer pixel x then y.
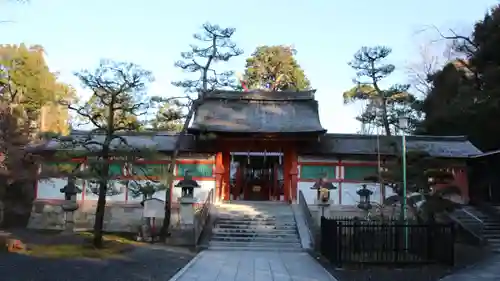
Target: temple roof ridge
{"type": "Point", "coordinates": [262, 95]}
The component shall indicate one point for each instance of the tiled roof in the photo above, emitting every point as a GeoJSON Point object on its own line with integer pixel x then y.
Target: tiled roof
{"type": "Point", "coordinates": [258, 112]}
{"type": "Point", "coordinates": [353, 144]}
{"type": "Point", "coordinates": [333, 144]}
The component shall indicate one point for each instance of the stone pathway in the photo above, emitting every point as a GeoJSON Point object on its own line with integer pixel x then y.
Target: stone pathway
{"type": "Point", "coordinates": [212, 265]}
{"type": "Point", "coordinates": [487, 270]}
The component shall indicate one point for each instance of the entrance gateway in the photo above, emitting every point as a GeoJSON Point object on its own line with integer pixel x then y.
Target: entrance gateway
{"type": "Point", "coordinates": [256, 176]}
{"type": "Point", "coordinates": [257, 136]}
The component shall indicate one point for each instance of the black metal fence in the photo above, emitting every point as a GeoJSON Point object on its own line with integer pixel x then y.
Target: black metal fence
{"type": "Point", "coordinates": [389, 242]}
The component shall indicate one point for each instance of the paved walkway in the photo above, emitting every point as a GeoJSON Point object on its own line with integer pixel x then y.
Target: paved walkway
{"type": "Point", "coordinates": [214, 265]}
{"type": "Point", "coordinates": [487, 270]}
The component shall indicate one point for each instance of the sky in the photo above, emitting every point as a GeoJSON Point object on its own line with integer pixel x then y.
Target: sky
{"type": "Point", "coordinates": [152, 33]}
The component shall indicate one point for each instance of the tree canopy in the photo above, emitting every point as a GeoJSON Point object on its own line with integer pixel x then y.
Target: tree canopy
{"type": "Point", "coordinates": [383, 106]}
{"type": "Point", "coordinates": [31, 90]}
{"type": "Point", "coordinates": [465, 95]}
{"type": "Point", "coordinates": [119, 98]}
{"type": "Point", "coordinates": [275, 68]}
{"type": "Point", "coordinates": [202, 60]}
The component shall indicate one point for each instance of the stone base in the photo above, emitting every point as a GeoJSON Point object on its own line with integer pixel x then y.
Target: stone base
{"type": "Point", "coordinates": [118, 217]}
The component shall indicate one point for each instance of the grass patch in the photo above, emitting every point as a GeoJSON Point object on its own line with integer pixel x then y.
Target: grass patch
{"type": "Point", "coordinates": [87, 250]}
{"type": "Point", "coordinates": [123, 238]}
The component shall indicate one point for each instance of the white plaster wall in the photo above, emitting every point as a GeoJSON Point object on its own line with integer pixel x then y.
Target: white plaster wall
{"type": "Point", "coordinates": [50, 189]}
{"type": "Point", "coordinates": [348, 193]}
{"type": "Point", "coordinates": [115, 186]}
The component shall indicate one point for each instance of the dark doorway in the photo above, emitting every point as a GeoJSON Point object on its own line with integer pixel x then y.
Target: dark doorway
{"type": "Point", "coordinates": [261, 177]}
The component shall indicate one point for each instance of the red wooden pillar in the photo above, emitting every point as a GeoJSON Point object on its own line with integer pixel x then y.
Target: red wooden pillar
{"type": "Point", "coordinates": [226, 176]}
{"type": "Point", "coordinates": [462, 182]}
{"type": "Point", "coordinates": [294, 172]}
{"type": "Point", "coordinates": [219, 173]}
{"type": "Point", "coordinates": [286, 174]}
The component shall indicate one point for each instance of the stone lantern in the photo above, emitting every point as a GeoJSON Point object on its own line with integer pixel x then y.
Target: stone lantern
{"type": "Point", "coordinates": [187, 199]}
{"type": "Point", "coordinates": [323, 187]}
{"type": "Point", "coordinates": [69, 206]}
{"type": "Point", "coordinates": [187, 186]}
{"type": "Point", "coordinates": [364, 198]}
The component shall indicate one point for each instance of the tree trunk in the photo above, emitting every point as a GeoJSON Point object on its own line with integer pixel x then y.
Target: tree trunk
{"type": "Point", "coordinates": [101, 202]}
{"type": "Point", "coordinates": [383, 104]}
{"type": "Point", "coordinates": [170, 172]}
{"type": "Point", "coordinates": [385, 119]}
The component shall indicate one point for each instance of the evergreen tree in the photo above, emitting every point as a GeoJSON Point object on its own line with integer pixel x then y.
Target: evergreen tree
{"type": "Point", "coordinates": [275, 68]}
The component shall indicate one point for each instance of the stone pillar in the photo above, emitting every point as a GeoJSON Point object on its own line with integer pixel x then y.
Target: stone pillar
{"type": "Point", "coordinates": [184, 235]}
{"type": "Point", "coordinates": [70, 205]}
{"type": "Point", "coordinates": [324, 209]}
{"type": "Point", "coordinates": [186, 227]}
{"type": "Point", "coordinates": [186, 211]}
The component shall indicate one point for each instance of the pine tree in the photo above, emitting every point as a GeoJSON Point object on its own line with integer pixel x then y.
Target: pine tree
{"type": "Point", "coordinates": [429, 182]}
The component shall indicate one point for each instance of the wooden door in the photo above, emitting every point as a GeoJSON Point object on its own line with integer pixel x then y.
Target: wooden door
{"type": "Point", "coordinates": [256, 184]}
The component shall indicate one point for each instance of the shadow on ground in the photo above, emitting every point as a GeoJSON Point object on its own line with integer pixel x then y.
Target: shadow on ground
{"type": "Point", "coordinates": [140, 263]}
{"type": "Point", "coordinates": [465, 256]}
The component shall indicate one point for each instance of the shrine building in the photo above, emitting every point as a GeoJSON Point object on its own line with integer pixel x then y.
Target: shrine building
{"type": "Point", "coordinates": [264, 146]}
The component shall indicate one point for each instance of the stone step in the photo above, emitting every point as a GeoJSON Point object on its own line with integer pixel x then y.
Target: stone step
{"type": "Point", "coordinates": [255, 235]}
{"type": "Point", "coordinates": [252, 222]}
{"type": "Point", "coordinates": [251, 209]}
{"type": "Point", "coordinates": [257, 221]}
{"type": "Point", "coordinates": [253, 217]}
{"type": "Point", "coordinates": [264, 245]}
{"type": "Point", "coordinates": [293, 239]}
{"type": "Point", "coordinates": [263, 249]}
{"type": "Point", "coordinates": [251, 202]}
{"type": "Point", "coordinates": [492, 228]}
{"type": "Point", "coordinates": [255, 226]}
{"type": "Point", "coordinates": [236, 231]}
{"type": "Point", "coordinates": [255, 211]}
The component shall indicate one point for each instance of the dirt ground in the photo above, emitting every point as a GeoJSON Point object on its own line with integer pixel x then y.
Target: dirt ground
{"type": "Point", "coordinates": [140, 263]}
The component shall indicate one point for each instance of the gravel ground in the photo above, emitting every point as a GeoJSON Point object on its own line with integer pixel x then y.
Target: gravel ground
{"type": "Point", "coordinates": [143, 263]}
{"type": "Point", "coordinates": [464, 257]}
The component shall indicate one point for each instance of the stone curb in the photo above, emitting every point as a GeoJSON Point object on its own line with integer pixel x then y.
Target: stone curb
{"type": "Point", "coordinates": [183, 270]}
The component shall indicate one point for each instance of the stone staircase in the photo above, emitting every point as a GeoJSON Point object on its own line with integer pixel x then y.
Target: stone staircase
{"type": "Point", "coordinates": [480, 224]}
{"type": "Point", "coordinates": [245, 225]}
